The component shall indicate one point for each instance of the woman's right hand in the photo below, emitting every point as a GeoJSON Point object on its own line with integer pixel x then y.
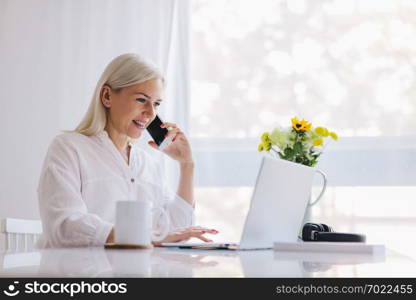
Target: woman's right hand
{"type": "Point", "coordinates": [184, 234]}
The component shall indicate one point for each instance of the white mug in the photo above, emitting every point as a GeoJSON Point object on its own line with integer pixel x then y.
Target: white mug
{"type": "Point", "coordinates": [134, 225]}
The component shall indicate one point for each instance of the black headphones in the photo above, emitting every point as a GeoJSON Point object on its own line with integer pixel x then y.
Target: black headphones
{"type": "Point", "coordinates": [315, 232]}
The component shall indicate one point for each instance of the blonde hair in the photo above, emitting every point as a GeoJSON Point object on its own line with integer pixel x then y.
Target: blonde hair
{"type": "Point", "coordinates": [123, 71]}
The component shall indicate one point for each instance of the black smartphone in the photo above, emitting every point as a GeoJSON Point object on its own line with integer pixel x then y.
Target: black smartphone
{"type": "Point", "coordinates": [158, 133]}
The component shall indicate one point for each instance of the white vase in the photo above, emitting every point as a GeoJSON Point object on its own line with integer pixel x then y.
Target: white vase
{"type": "Point", "coordinates": [307, 216]}
{"type": "Point", "coordinates": [299, 171]}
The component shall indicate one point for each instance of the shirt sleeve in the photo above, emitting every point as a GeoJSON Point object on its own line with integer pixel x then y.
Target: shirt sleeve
{"type": "Point", "coordinates": [65, 220]}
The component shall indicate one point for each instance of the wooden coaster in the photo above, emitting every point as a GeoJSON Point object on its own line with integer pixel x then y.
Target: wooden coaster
{"type": "Point", "coordinates": [126, 246]}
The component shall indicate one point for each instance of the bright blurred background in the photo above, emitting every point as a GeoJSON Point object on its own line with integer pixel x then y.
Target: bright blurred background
{"type": "Point", "coordinates": [347, 65]}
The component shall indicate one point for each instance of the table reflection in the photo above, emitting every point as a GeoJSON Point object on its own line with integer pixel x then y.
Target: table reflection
{"type": "Point", "coordinates": [163, 262]}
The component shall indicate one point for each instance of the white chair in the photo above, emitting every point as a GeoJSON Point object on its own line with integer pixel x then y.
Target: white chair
{"type": "Point", "coordinates": [20, 234]}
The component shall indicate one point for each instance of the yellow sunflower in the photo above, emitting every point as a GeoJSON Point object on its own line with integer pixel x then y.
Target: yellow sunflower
{"type": "Point", "coordinates": [301, 125]}
{"type": "Point", "coordinates": [334, 136]}
{"type": "Point", "coordinates": [318, 142]}
{"type": "Point", "coordinates": [260, 147]}
{"type": "Point", "coordinates": [265, 137]}
{"type": "Point", "coordinates": [322, 131]}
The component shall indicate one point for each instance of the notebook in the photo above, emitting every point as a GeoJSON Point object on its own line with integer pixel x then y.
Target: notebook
{"type": "Point", "coordinates": [330, 247]}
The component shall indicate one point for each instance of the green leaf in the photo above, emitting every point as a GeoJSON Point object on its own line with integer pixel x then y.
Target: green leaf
{"type": "Point", "coordinates": [297, 148]}
{"type": "Point", "coordinates": [289, 153]}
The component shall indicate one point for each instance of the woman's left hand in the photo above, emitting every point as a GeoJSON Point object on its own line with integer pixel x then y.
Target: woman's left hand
{"type": "Point", "coordinates": [179, 148]}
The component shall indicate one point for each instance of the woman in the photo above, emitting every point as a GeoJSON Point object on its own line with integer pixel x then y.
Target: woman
{"type": "Point", "coordinates": [88, 170]}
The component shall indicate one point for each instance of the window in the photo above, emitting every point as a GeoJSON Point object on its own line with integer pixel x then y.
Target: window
{"type": "Point", "coordinates": [346, 64]}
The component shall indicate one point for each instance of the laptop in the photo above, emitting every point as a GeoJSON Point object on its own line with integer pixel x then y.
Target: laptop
{"type": "Point", "coordinates": [277, 207]}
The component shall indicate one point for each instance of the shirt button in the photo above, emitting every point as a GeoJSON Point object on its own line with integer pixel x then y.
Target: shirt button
{"type": "Point", "coordinates": [132, 180]}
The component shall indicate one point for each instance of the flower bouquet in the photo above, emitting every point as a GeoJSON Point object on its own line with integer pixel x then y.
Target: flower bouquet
{"type": "Point", "coordinates": [299, 143]}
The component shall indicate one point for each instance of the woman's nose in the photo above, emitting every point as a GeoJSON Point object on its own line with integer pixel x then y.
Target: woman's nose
{"type": "Point", "coordinates": [150, 110]}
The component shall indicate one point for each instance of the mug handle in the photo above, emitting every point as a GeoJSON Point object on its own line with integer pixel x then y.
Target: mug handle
{"type": "Point", "coordinates": [165, 230]}
{"type": "Point", "coordinates": [312, 203]}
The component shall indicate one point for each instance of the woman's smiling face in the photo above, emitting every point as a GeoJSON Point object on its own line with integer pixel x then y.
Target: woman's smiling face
{"type": "Point", "coordinates": [133, 108]}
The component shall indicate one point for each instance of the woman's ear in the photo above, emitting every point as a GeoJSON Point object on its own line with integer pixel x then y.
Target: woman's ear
{"type": "Point", "coordinates": [105, 96]}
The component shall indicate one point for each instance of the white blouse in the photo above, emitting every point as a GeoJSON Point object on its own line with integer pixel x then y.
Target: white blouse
{"type": "Point", "coordinates": [82, 179]}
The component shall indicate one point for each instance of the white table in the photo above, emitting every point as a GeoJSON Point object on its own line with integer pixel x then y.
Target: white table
{"type": "Point", "coordinates": [173, 262]}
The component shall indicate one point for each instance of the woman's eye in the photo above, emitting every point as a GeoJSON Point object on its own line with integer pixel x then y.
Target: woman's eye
{"type": "Point", "coordinates": [143, 100]}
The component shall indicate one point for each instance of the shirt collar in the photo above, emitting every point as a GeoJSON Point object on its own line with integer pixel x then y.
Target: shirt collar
{"type": "Point", "coordinates": [103, 135]}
